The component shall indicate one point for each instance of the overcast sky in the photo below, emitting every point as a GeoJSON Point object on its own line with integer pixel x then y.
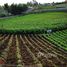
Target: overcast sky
{"type": "Point", "coordinates": [25, 1]}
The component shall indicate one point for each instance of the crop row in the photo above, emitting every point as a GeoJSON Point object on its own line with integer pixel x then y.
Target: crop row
{"type": "Point", "coordinates": [31, 51]}
{"type": "Point", "coordinates": [59, 38]}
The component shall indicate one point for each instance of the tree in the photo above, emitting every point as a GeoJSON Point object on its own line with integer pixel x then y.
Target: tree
{"type": "Point", "coordinates": [24, 7]}
{"type": "Point", "coordinates": [16, 9]}
{"type": "Point", "coordinates": [6, 7]}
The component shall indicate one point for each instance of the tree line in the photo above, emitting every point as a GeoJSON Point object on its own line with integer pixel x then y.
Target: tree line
{"type": "Point", "coordinates": [15, 9]}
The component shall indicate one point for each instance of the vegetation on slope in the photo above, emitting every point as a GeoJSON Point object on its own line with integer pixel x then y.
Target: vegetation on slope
{"type": "Point", "coordinates": [35, 22]}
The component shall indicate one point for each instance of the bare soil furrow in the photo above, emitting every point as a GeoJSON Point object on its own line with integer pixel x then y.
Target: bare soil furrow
{"type": "Point", "coordinates": [59, 58]}
{"type": "Point", "coordinates": [30, 50]}
{"type": "Point", "coordinates": [40, 54]}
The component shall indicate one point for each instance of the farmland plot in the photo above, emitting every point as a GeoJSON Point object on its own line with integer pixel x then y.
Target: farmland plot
{"type": "Point", "coordinates": [34, 22]}
{"type": "Point", "coordinates": [59, 38]}
{"type": "Point", "coordinates": [30, 51]}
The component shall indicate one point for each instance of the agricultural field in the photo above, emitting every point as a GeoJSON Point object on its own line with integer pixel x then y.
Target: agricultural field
{"type": "Point", "coordinates": [59, 38]}
{"type": "Point", "coordinates": [34, 50]}
{"type": "Point", "coordinates": [35, 21]}
{"type": "Point", "coordinates": [31, 50]}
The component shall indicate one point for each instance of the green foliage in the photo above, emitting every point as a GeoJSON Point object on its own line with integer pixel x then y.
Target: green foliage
{"type": "Point", "coordinates": [3, 12]}
{"type": "Point", "coordinates": [15, 9]}
{"type": "Point", "coordinates": [3, 15]}
{"type": "Point", "coordinates": [58, 38]}
{"type": "Point", "coordinates": [35, 22]}
{"type": "Point", "coordinates": [6, 7]}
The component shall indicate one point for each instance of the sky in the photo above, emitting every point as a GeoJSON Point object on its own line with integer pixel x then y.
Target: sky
{"type": "Point", "coordinates": [25, 1]}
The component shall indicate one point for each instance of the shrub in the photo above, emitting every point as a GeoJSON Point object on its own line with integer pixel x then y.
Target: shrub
{"type": "Point", "coordinates": [2, 15]}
